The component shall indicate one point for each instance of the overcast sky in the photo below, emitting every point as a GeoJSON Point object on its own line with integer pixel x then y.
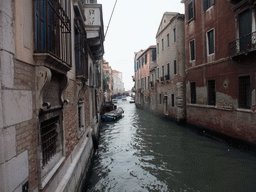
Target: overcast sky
{"type": "Point", "coordinates": [133, 27]}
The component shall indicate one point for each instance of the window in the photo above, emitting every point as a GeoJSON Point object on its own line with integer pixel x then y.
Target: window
{"type": "Point", "coordinates": [142, 61]}
{"type": "Point", "coordinates": [167, 77]}
{"type": "Point", "coordinates": [148, 82]}
{"type": "Point", "coordinates": [211, 92]}
{"type": "Point", "coordinates": [49, 139]}
{"type": "Point", "coordinates": [146, 58]}
{"type": "Point", "coordinates": [157, 48]}
{"type": "Point", "coordinates": [193, 92]}
{"type": "Point", "coordinates": [192, 50]}
{"type": "Point", "coordinates": [175, 67]}
{"type": "Point", "coordinates": [80, 49]}
{"type": "Point", "coordinates": [160, 98]}
{"type": "Point", "coordinates": [53, 29]}
{"type": "Point", "coordinates": [210, 41]}
{"type": "Point", "coordinates": [162, 44]}
{"type": "Point", "coordinates": [162, 71]}
{"type": "Point", "coordinates": [172, 100]}
{"type": "Point", "coordinates": [168, 40]}
{"type": "Point", "coordinates": [153, 55]}
{"type": "Point", "coordinates": [208, 4]}
{"type": "Point", "coordinates": [145, 84]}
{"type": "Point", "coordinates": [244, 86]}
{"type": "Point", "coordinates": [191, 10]}
{"type": "Point", "coordinates": [158, 73]}
{"type": "Point", "coordinates": [174, 34]}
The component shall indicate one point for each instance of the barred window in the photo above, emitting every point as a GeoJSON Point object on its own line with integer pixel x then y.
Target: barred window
{"type": "Point", "coordinates": [244, 87]}
{"type": "Point", "coordinates": [49, 139]}
{"type": "Point", "coordinates": [211, 92]}
{"type": "Point", "coordinates": [193, 92]}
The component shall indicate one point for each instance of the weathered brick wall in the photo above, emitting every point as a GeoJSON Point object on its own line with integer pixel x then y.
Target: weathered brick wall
{"type": "Point", "coordinates": [26, 131]}
{"type": "Point", "coordinates": [70, 117]}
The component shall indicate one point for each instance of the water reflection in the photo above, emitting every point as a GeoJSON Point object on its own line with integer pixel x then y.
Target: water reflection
{"type": "Point", "coordinates": [142, 152]}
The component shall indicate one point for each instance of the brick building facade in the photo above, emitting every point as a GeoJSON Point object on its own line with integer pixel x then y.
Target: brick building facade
{"type": "Point", "coordinates": [220, 58]}
{"type": "Point", "coordinates": [51, 92]}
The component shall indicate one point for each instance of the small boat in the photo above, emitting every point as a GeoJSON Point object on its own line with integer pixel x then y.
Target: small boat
{"type": "Point", "coordinates": [113, 115]}
{"type": "Point", "coordinates": [124, 99]}
{"type": "Point", "coordinates": [114, 100]}
{"type": "Point", "coordinates": [132, 101]}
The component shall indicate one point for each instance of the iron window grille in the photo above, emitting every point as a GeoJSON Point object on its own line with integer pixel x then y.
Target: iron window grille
{"type": "Point", "coordinates": [193, 92]}
{"type": "Point", "coordinates": [53, 29]}
{"type": "Point", "coordinates": [49, 139]}
{"type": "Point", "coordinates": [211, 92]}
{"type": "Point", "coordinates": [244, 92]}
{"type": "Point", "coordinates": [81, 58]}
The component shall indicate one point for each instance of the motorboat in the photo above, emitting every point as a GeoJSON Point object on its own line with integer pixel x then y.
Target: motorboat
{"type": "Point", "coordinates": [113, 115]}
{"type": "Point", "coordinates": [132, 101]}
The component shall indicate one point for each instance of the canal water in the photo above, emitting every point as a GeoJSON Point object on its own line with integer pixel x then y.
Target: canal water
{"type": "Point", "coordinates": [142, 152]}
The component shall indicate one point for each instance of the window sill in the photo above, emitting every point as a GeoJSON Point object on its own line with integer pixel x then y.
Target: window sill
{"type": "Point", "coordinates": [244, 110]}
{"type": "Point", "coordinates": [49, 175]}
{"type": "Point", "coordinates": [51, 61]}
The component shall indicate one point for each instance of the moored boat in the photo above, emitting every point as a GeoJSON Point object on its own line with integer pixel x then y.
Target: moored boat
{"type": "Point", "coordinates": [113, 115]}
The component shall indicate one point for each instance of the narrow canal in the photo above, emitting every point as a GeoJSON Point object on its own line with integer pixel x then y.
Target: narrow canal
{"type": "Point", "coordinates": [142, 152]}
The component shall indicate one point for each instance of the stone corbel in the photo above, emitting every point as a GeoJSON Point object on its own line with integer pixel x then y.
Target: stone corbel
{"type": "Point", "coordinates": [63, 86]}
{"type": "Point", "coordinates": [43, 77]}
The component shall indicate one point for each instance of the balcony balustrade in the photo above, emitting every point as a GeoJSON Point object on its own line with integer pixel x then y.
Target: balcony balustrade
{"type": "Point", "coordinates": [53, 30]}
{"type": "Point", "coordinates": [243, 45]}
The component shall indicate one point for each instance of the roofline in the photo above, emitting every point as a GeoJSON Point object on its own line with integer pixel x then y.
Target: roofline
{"type": "Point", "coordinates": [177, 16]}
{"type": "Point", "coordinates": [150, 47]}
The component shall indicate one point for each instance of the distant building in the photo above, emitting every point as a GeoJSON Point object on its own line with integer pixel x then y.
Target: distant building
{"type": "Point", "coordinates": [107, 81]}
{"type": "Point", "coordinates": [143, 60]}
{"type": "Point", "coordinates": [170, 71]}
{"type": "Point", "coordinates": [220, 64]}
{"type": "Point", "coordinates": [118, 85]}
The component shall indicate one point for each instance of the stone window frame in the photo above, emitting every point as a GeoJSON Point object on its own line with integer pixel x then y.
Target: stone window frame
{"type": "Point", "coordinates": [210, 43]}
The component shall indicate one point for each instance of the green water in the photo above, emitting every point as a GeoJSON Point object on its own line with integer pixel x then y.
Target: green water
{"type": "Point", "coordinates": [142, 152]}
